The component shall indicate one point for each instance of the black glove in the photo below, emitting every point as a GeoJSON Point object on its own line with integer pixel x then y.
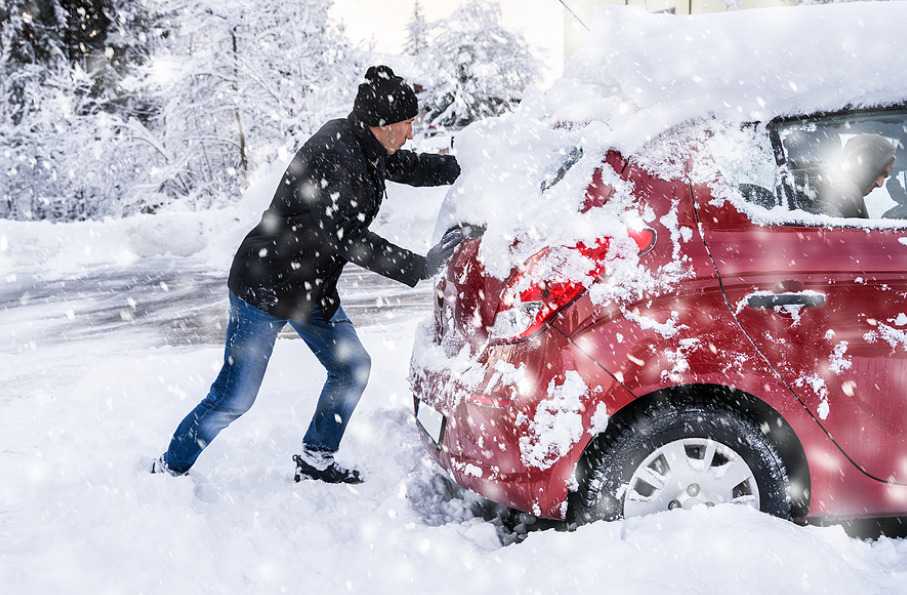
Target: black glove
{"type": "Point", "coordinates": [441, 252]}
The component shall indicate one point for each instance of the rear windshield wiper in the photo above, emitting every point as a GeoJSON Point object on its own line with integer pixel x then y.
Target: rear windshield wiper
{"type": "Point", "coordinates": [574, 155]}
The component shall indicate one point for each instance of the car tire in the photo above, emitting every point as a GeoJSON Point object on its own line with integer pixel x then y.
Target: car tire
{"type": "Point", "coordinates": [612, 458]}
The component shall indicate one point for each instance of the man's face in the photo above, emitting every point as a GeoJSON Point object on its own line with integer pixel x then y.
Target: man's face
{"type": "Point", "coordinates": [883, 175]}
{"type": "Point", "coordinates": [394, 136]}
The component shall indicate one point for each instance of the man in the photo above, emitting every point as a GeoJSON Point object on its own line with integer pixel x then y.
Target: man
{"type": "Point", "coordinates": [866, 162]}
{"type": "Point", "coordinates": [287, 267]}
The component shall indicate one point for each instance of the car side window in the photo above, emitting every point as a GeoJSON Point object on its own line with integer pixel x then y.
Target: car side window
{"type": "Point", "coordinates": [849, 166]}
{"type": "Point", "coordinates": [744, 158]}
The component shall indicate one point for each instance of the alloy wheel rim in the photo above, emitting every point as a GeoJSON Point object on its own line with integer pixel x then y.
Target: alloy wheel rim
{"type": "Point", "coordinates": [690, 472]}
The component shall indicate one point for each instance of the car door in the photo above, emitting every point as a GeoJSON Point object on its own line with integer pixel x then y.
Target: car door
{"type": "Point", "coordinates": [824, 299]}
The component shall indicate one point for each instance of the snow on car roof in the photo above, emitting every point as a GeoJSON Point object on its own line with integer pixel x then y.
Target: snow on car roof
{"type": "Point", "coordinates": [640, 75]}
{"type": "Point", "coordinates": [644, 73]}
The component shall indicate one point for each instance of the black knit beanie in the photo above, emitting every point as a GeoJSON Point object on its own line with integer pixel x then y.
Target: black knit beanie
{"type": "Point", "coordinates": [385, 98]}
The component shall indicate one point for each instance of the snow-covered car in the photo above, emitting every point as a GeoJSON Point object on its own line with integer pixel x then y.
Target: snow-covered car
{"type": "Point", "coordinates": [713, 312]}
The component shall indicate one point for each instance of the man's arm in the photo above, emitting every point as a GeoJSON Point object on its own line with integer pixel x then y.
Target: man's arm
{"type": "Point", "coordinates": [422, 169]}
{"type": "Point", "coordinates": [343, 219]}
{"type": "Point", "coordinates": [370, 251]}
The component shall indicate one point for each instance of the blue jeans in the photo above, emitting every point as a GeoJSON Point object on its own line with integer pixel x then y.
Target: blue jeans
{"type": "Point", "coordinates": [251, 334]}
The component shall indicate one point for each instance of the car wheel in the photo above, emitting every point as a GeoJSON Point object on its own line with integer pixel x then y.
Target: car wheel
{"type": "Point", "coordinates": [679, 455]}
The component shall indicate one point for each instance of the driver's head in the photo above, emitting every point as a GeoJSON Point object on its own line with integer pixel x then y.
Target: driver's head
{"type": "Point", "coordinates": [867, 160]}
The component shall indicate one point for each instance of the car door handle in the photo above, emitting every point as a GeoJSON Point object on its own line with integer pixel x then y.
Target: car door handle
{"type": "Point", "coordinates": [808, 299]}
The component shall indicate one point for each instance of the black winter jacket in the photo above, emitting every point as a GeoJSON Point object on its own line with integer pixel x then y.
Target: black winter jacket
{"type": "Point", "coordinates": [319, 218]}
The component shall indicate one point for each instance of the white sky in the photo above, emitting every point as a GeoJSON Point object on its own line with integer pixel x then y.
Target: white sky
{"type": "Point", "coordinates": [384, 22]}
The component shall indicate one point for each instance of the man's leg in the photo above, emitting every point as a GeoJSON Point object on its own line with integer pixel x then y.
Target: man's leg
{"type": "Point", "coordinates": [251, 334]}
{"type": "Point", "coordinates": [337, 346]}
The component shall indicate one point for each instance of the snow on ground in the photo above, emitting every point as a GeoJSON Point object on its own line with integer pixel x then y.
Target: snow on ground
{"type": "Point", "coordinates": [79, 513]}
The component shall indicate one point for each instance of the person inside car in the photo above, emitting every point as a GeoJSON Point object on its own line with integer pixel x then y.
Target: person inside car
{"type": "Point", "coordinates": [866, 161]}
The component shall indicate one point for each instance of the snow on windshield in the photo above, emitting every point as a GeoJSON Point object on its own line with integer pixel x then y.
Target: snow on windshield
{"type": "Point", "coordinates": [641, 75]}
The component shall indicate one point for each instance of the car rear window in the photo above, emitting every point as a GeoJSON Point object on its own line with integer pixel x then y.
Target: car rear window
{"type": "Point", "coordinates": [744, 158]}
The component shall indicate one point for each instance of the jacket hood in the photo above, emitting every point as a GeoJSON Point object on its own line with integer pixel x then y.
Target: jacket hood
{"type": "Point", "coordinates": [864, 157]}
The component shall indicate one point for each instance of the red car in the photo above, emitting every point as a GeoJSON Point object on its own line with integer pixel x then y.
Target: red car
{"type": "Point", "coordinates": [772, 375]}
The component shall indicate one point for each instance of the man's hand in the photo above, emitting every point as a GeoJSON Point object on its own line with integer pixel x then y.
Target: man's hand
{"type": "Point", "coordinates": [442, 251]}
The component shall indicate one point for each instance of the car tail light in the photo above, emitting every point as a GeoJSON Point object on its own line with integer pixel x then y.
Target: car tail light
{"type": "Point", "coordinates": [542, 287]}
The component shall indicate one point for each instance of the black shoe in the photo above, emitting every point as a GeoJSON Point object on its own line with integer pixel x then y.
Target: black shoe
{"type": "Point", "coordinates": [331, 473]}
{"type": "Point", "coordinates": [159, 466]}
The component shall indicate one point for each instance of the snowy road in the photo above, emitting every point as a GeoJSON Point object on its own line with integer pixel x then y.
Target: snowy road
{"type": "Point", "coordinates": [97, 368]}
{"type": "Point", "coordinates": [183, 305]}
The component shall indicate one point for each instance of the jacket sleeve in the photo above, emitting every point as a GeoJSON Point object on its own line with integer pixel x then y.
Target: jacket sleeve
{"type": "Point", "coordinates": [422, 169]}
{"type": "Point", "coordinates": [370, 251]}
{"type": "Point", "coordinates": [343, 217]}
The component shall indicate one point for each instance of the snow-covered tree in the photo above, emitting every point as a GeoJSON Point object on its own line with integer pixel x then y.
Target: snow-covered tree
{"type": "Point", "coordinates": [482, 68]}
{"type": "Point", "coordinates": [161, 105]}
{"type": "Point", "coordinates": [417, 31]}
{"type": "Point", "coordinates": [101, 37]}
{"type": "Point", "coordinates": [240, 80]}
{"type": "Point", "coordinates": [63, 111]}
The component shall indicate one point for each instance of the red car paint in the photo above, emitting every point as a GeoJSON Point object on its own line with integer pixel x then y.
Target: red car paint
{"type": "Point", "coordinates": [853, 460]}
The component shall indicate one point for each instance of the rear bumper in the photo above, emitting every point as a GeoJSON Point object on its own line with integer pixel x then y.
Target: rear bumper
{"type": "Point", "coordinates": [484, 422]}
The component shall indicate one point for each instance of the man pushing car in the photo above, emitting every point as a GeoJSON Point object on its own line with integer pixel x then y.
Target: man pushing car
{"type": "Point", "coordinates": [286, 271]}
